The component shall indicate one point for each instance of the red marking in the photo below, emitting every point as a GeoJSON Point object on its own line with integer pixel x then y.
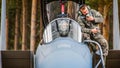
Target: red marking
{"type": "Point", "coordinates": [62, 8]}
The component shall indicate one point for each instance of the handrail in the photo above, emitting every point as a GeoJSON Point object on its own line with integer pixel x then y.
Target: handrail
{"type": "Point", "coordinates": [101, 53]}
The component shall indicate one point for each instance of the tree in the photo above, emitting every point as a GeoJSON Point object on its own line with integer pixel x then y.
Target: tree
{"type": "Point", "coordinates": [106, 23]}
{"type": "Point", "coordinates": [41, 25]}
{"type": "Point", "coordinates": [7, 31]}
{"type": "Point", "coordinates": [33, 25]}
{"type": "Point", "coordinates": [119, 12]}
{"type": "Point", "coordinates": [24, 34]}
{"type": "Point", "coordinates": [16, 38]}
{"type": "Point", "coordinates": [71, 10]}
{"type": "Point", "coordinates": [7, 27]}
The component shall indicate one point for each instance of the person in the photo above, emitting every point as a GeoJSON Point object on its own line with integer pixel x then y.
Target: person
{"type": "Point", "coordinates": [89, 19]}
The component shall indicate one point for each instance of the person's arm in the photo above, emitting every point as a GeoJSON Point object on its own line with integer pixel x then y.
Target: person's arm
{"type": "Point", "coordinates": [83, 28]}
{"type": "Point", "coordinates": [98, 18]}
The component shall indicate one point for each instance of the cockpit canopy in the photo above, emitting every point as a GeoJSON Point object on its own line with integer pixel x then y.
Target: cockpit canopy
{"type": "Point", "coordinates": [62, 27]}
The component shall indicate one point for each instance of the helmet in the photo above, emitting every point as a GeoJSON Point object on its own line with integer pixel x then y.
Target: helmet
{"type": "Point", "coordinates": [63, 27]}
{"type": "Point", "coordinates": [82, 5]}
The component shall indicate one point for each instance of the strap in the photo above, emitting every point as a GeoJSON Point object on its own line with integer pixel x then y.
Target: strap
{"type": "Point", "coordinates": [57, 25]}
{"type": "Point", "coordinates": [69, 24]}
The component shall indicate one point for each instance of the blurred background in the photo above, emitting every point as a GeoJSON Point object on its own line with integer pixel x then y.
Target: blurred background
{"type": "Point", "coordinates": [24, 28]}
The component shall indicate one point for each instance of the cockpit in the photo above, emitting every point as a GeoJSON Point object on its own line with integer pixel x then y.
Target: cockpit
{"type": "Point", "coordinates": [62, 27]}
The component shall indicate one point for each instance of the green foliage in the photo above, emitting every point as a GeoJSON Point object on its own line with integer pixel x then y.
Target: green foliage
{"type": "Point", "coordinates": [119, 9]}
{"type": "Point", "coordinates": [92, 3]}
{"type": "Point", "coordinates": [0, 13]}
{"type": "Point", "coordinates": [11, 16]}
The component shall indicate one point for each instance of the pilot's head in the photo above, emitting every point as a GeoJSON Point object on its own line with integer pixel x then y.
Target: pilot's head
{"type": "Point", "coordinates": [63, 27]}
{"type": "Point", "coordinates": [83, 9]}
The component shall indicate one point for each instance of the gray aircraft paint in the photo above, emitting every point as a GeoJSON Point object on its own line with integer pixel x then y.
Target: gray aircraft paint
{"type": "Point", "coordinates": [59, 54]}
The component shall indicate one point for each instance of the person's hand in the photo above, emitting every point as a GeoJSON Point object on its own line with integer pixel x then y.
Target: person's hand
{"type": "Point", "coordinates": [90, 18]}
{"type": "Point", "coordinates": [94, 30]}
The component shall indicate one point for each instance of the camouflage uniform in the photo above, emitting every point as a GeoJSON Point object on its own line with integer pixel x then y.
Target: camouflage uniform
{"type": "Point", "coordinates": [87, 26]}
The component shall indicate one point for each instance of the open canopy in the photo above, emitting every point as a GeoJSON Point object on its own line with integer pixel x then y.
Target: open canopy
{"type": "Point", "coordinates": [44, 3]}
{"type": "Point", "coordinates": [77, 1]}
